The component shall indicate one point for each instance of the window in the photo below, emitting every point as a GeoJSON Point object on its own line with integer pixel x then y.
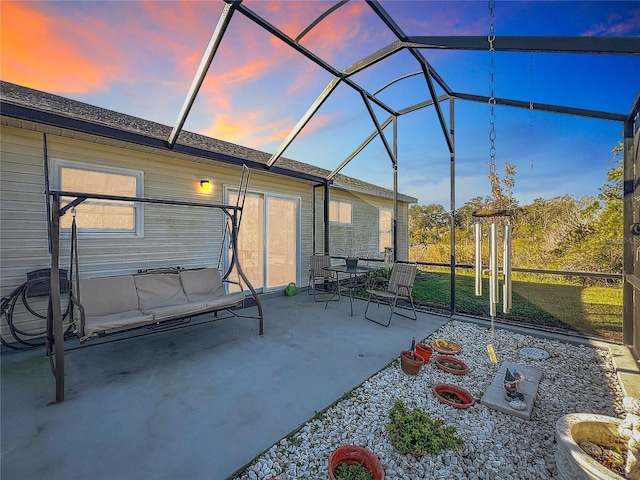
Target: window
{"type": "Point", "coordinates": [385, 228]}
{"type": "Point", "coordinates": [340, 212]}
{"type": "Point", "coordinates": [101, 216]}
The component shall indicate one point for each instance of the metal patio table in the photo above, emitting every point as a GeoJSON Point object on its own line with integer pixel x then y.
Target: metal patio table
{"type": "Point", "coordinates": [352, 283]}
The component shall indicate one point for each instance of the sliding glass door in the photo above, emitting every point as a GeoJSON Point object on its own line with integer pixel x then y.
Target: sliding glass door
{"type": "Point", "coordinates": [269, 239]}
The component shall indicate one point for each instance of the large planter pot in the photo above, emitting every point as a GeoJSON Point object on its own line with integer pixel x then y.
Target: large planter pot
{"type": "Point", "coordinates": [443, 390]}
{"type": "Point", "coordinates": [572, 462]}
{"type": "Point", "coordinates": [424, 350]}
{"type": "Point", "coordinates": [442, 360]}
{"type": "Point", "coordinates": [351, 262]}
{"type": "Point", "coordinates": [408, 365]}
{"type": "Point", "coordinates": [353, 455]}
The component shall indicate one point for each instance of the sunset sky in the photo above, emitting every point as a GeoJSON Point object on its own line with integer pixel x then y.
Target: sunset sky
{"type": "Point", "coordinates": [140, 58]}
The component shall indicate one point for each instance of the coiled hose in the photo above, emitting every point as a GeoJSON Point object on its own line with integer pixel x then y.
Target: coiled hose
{"type": "Point", "coordinates": [24, 340]}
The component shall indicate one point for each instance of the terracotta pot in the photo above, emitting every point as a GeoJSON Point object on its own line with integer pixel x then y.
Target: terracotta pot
{"type": "Point", "coordinates": [449, 359]}
{"type": "Point", "coordinates": [352, 455]}
{"type": "Point", "coordinates": [409, 366]}
{"type": "Point", "coordinates": [465, 397]}
{"type": "Point", "coordinates": [424, 350]}
{"type": "Point", "coordinates": [447, 351]}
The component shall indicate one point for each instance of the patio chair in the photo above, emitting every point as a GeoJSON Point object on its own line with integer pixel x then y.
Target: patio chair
{"type": "Point", "coordinates": [317, 264]}
{"type": "Point", "coordinates": [398, 287]}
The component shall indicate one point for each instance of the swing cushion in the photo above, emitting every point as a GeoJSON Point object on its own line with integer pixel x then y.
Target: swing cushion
{"type": "Point", "coordinates": [107, 295]}
{"type": "Point", "coordinates": [202, 284]}
{"type": "Point", "coordinates": [111, 304]}
{"type": "Point", "coordinates": [205, 285]}
{"type": "Point", "coordinates": [156, 290]}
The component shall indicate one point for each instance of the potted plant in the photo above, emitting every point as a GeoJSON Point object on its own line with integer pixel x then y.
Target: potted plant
{"type": "Point", "coordinates": [417, 433]}
{"type": "Point", "coordinates": [356, 243]}
{"type": "Point", "coordinates": [410, 361]}
{"type": "Point", "coordinates": [351, 462]}
{"type": "Point", "coordinates": [424, 350]}
{"type": "Point", "coordinates": [453, 396]}
{"type": "Point", "coordinates": [451, 364]}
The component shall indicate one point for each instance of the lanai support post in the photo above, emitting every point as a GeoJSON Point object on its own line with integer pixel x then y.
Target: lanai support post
{"type": "Point", "coordinates": [631, 246]}
{"type": "Point", "coordinates": [452, 206]}
{"type": "Point", "coordinates": [327, 247]}
{"type": "Point", "coordinates": [55, 334]}
{"type": "Point", "coordinates": [395, 190]}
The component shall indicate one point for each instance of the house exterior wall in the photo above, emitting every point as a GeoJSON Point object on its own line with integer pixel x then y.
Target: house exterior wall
{"type": "Point", "coordinates": [173, 235]}
{"type": "Point", "coordinates": [365, 226]}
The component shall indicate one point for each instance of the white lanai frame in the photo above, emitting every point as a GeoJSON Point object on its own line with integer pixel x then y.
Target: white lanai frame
{"type": "Point", "coordinates": [546, 44]}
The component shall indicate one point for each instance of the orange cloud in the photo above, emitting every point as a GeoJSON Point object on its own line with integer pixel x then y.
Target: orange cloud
{"type": "Point", "coordinates": [252, 130]}
{"type": "Point", "coordinates": [50, 53]}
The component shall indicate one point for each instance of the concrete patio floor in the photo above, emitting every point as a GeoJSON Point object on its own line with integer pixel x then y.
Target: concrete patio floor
{"type": "Point", "coordinates": [193, 403]}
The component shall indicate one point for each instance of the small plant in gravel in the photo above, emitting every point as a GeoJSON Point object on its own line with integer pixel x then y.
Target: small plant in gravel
{"type": "Point", "coordinates": [417, 433]}
{"type": "Point", "coordinates": [356, 471]}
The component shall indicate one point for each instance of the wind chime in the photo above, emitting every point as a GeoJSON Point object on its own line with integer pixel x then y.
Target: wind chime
{"type": "Point", "coordinates": [500, 218]}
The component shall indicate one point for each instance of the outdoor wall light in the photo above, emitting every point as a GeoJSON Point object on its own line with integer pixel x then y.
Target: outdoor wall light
{"type": "Point", "coordinates": [205, 186]}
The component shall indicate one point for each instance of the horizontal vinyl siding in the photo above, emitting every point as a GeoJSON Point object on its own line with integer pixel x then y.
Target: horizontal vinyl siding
{"type": "Point", "coordinates": [365, 209]}
{"type": "Point", "coordinates": [173, 235]}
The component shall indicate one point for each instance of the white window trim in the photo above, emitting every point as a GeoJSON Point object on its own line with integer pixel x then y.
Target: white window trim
{"type": "Point", "coordinates": [350, 222]}
{"type": "Point", "coordinates": [55, 167]}
{"type": "Point", "coordinates": [380, 231]}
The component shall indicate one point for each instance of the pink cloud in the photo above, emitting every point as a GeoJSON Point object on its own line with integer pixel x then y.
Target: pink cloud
{"type": "Point", "coordinates": [52, 53]}
{"type": "Point", "coordinates": [617, 25]}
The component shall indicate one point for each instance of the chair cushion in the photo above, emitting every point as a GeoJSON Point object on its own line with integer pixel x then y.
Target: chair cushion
{"type": "Point", "coordinates": [159, 290]}
{"type": "Point", "coordinates": [182, 310]}
{"type": "Point", "coordinates": [116, 321]}
{"type": "Point", "coordinates": [108, 295]}
{"type": "Point", "coordinates": [202, 284]}
{"type": "Point", "coordinates": [228, 300]}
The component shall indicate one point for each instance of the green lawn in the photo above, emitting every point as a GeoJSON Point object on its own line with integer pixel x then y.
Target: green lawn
{"type": "Point", "coordinates": [587, 310]}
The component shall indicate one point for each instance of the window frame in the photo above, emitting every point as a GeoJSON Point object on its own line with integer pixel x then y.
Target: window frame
{"type": "Point", "coordinates": [383, 232]}
{"type": "Point", "coordinates": [58, 164]}
{"type": "Point", "coordinates": [339, 203]}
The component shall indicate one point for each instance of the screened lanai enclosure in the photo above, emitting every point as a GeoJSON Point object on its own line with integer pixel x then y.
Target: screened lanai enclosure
{"type": "Point", "coordinates": [403, 96]}
{"type": "Point", "coordinates": [435, 96]}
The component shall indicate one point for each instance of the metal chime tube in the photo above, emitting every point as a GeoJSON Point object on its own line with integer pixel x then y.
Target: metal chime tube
{"type": "Point", "coordinates": [506, 268]}
{"type": "Point", "coordinates": [478, 260]}
{"type": "Point", "coordinates": [493, 267]}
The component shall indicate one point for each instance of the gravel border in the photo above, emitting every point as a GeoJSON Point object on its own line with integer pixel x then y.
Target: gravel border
{"type": "Point", "coordinates": [575, 378]}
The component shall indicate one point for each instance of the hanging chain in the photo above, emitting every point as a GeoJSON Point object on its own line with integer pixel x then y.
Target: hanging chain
{"type": "Point", "coordinates": [492, 101]}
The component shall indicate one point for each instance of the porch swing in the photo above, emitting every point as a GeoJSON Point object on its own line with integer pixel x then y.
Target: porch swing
{"type": "Point", "coordinates": [156, 299]}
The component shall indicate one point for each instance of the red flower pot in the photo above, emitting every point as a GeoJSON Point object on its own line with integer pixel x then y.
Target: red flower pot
{"type": "Point", "coordinates": [353, 455]}
{"type": "Point", "coordinates": [442, 359]}
{"type": "Point", "coordinates": [424, 350]}
{"type": "Point", "coordinates": [408, 365]}
{"type": "Point", "coordinates": [444, 390]}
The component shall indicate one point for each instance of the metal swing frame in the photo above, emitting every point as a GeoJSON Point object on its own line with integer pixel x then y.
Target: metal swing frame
{"type": "Point", "coordinates": [55, 347]}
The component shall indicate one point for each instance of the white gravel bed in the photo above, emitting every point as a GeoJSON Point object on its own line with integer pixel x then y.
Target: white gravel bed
{"type": "Point", "coordinates": [497, 446]}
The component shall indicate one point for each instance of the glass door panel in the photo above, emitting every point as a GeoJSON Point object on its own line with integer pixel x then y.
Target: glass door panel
{"type": "Point", "coordinates": [251, 239]}
{"type": "Point", "coordinates": [268, 240]}
{"type": "Point", "coordinates": [282, 236]}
